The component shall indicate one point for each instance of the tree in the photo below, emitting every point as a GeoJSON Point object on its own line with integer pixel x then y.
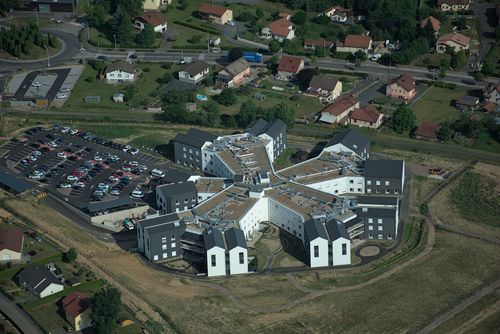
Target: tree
{"type": "Point", "coordinates": [147, 36]}
{"type": "Point", "coordinates": [129, 92]}
{"type": "Point", "coordinates": [259, 13]}
{"type": "Point", "coordinates": [403, 119]}
{"type": "Point", "coordinates": [235, 53]}
{"type": "Point", "coordinates": [443, 67]}
{"type": "Point", "coordinates": [105, 308]}
{"type": "Point", "coordinates": [454, 60]}
{"type": "Point", "coordinates": [247, 114]}
{"type": "Point", "coordinates": [299, 18]}
{"type": "Point", "coordinates": [461, 23]}
{"type": "Point", "coordinates": [478, 76]}
{"type": "Point", "coordinates": [132, 7]}
{"type": "Point", "coordinates": [183, 4]}
{"type": "Point", "coordinates": [227, 97]}
{"type": "Point", "coordinates": [487, 68]}
{"type": "Point", "coordinates": [274, 46]}
{"type": "Point", "coordinates": [445, 131]}
{"type": "Point", "coordinates": [246, 16]}
{"type": "Point", "coordinates": [304, 77]}
{"type": "Point", "coordinates": [97, 13]}
{"type": "Point", "coordinates": [70, 255]}
{"type": "Point", "coordinates": [122, 27]}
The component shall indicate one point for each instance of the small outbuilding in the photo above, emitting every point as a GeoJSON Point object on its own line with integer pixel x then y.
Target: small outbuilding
{"type": "Point", "coordinates": [118, 97]}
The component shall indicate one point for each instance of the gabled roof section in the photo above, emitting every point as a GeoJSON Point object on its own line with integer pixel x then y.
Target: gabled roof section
{"type": "Point", "coordinates": [213, 9]}
{"type": "Point", "coordinates": [213, 238]}
{"type": "Point", "coordinates": [178, 188]}
{"type": "Point", "coordinates": [11, 238]}
{"type": "Point", "coordinates": [367, 114]}
{"type": "Point", "coordinates": [280, 27]}
{"type": "Point", "coordinates": [16, 185]}
{"type": "Point", "coordinates": [436, 25]}
{"type": "Point", "coordinates": [121, 66]}
{"type": "Point", "coordinates": [454, 37]}
{"type": "Point", "coordinates": [237, 66]}
{"type": "Point", "coordinates": [384, 168]}
{"type": "Point", "coordinates": [37, 278]}
{"type": "Point", "coordinates": [290, 64]}
{"type": "Point", "coordinates": [340, 105]}
{"type": "Point", "coordinates": [357, 41]}
{"type": "Point", "coordinates": [405, 81]}
{"type": "Point", "coordinates": [313, 228]}
{"type": "Point", "coordinates": [256, 127]}
{"type": "Point", "coordinates": [351, 139]}
{"type": "Point", "coordinates": [336, 229]}
{"type": "Point", "coordinates": [196, 67]}
{"type": "Point", "coordinates": [235, 238]}
{"type": "Point", "coordinates": [154, 19]}
{"type": "Point", "coordinates": [325, 83]}
{"type": "Point", "coordinates": [274, 128]}
{"type": "Point", "coordinates": [195, 138]}
{"type": "Point", "coordinates": [76, 303]}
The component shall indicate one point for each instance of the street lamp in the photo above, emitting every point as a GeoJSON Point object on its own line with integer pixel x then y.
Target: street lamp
{"type": "Point", "coordinates": [114, 36]}
{"type": "Point", "coordinates": [48, 57]}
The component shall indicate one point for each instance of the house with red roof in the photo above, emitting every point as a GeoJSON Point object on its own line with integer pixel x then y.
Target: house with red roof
{"type": "Point", "coordinates": [402, 87]}
{"type": "Point", "coordinates": [11, 244]}
{"type": "Point", "coordinates": [453, 5]}
{"type": "Point", "coordinates": [215, 13]}
{"type": "Point", "coordinates": [289, 66]}
{"type": "Point", "coordinates": [312, 44]}
{"type": "Point", "coordinates": [280, 29]}
{"type": "Point", "coordinates": [456, 41]}
{"type": "Point", "coordinates": [427, 131]}
{"type": "Point", "coordinates": [435, 23]}
{"type": "Point", "coordinates": [156, 20]}
{"type": "Point", "coordinates": [354, 43]}
{"type": "Point", "coordinates": [77, 309]}
{"type": "Point", "coordinates": [338, 112]}
{"type": "Point", "coordinates": [367, 117]}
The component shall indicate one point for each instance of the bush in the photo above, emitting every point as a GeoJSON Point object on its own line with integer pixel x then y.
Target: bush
{"type": "Point", "coordinates": [70, 255]}
{"type": "Point", "coordinates": [147, 69]}
{"type": "Point", "coordinates": [227, 97]}
{"type": "Point", "coordinates": [90, 79]}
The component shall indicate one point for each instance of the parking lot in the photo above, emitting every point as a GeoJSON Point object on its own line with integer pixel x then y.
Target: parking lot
{"type": "Point", "coordinates": [81, 168]}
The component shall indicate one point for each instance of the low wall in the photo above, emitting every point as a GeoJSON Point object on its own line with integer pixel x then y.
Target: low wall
{"type": "Point", "coordinates": [114, 220]}
{"type": "Point", "coordinates": [252, 43]}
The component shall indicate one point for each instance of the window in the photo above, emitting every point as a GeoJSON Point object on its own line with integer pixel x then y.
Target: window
{"type": "Point", "coordinates": [396, 191]}
{"type": "Point", "coordinates": [164, 239]}
{"type": "Point", "coordinates": [316, 251]}
{"type": "Point", "coordinates": [155, 258]}
{"type": "Point", "coordinates": [370, 220]}
{"type": "Point", "coordinates": [242, 258]}
{"type": "Point", "coordinates": [377, 183]}
{"type": "Point", "coordinates": [351, 181]}
{"type": "Point", "coordinates": [389, 236]}
{"type": "Point", "coordinates": [368, 182]}
{"type": "Point", "coordinates": [369, 191]}
{"type": "Point", "coordinates": [344, 249]}
{"type": "Point", "coordinates": [185, 156]}
{"type": "Point", "coordinates": [364, 209]}
{"type": "Point", "coordinates": [379, 220]}
{"type": "Point", "coordinates": [370, 236]}
{"type": "Point", "coordinates": [370, 227]}
{"type": "Point", "coordinates": [177, 202]}
{"type": "Point", "coordinates": [386, 183]}
{"type": "Point", "coordinates": [165, 255]}
{"type": "Point", "coordinates": [174, 253]}
{"type": "Point", "coordinates": [164, 246]}
{"type": "Point", "coordinates": [212, 260]}
{"type": "Point", "coordinates": [380, 228]}
{"type": "Point", "coordinates": [172, 245]}
{"type": "Point", "coordinates": [380, 236]}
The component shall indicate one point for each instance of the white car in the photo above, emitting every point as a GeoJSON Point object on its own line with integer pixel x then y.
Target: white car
{"type": "Point", "coordinates": [158, 173]}
{"type": "Point", "coordinates": [72, 178]}
{"type": "Point", "coordinates": [126, 148]}
{"type": "Point", "coordinates": [375, 57]}
{"type": "Point", "coordinates": [79, 185]}
{"type": "Point", "coordinates": [231, 23]}
{"type": "Point", "coordinates": [115, 192]}
{"type": "Point", "coordinates": [62, 155]}
{"type": "Point", "coordinates": [64, 185]}
{"type": "Point", "coordinates": [134, 151]}
{"type": "Point", "coordinates": [36, 84]}
{"type": "Point", "coordinates": [37, 153]}
{"type": "Point", "coordinates": [61, 96]}
{"type": "Point", "coordinates": [133, 163]}
{"type": "Point", "coordinates": [128, 225]}
{"type": "Point", "coordinates": [138, 193]}
{"type": "Point", "coordinates": [35, 176]}
{"type": "Point", "coordinates": [52, 144]}
{"type": "Point", "coordinates": [113, 178]}
{"type": "Point", "coordinates": [65, 129]}
{"type": "Point", "coordinates": [64, 90]}
{"type": "Point", "coordinates": [73, 131]}
{"type": "Point", "coordinates": [98, 158]}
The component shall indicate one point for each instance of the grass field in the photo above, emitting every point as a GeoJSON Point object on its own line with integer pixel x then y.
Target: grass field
{"type": "Point", "coordinates": [435, 105]}
{"type": "Point", "coordinates": [493, 58]}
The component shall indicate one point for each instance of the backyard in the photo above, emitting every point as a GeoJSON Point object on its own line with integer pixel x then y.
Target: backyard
{"type": "Point", "coordinates": [436, 105]}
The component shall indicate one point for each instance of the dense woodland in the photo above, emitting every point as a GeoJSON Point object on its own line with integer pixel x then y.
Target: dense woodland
{"type": "Point", "coordinates": [18, 41]}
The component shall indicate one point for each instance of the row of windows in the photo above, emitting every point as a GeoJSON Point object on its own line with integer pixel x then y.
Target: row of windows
{"type": "Point", "coordinates": [377, 182]}
{"type": "Point", "coordinates": [164, 239]}
{"type": "Point", "coordinates": [370, 220]}
{"type": "Point", "coordinates": [344, 250]}
{"type": "Point", "coordinates": [191, 151]}
{"type": "Point", "coordinates": [185, 200]}
{"type": "Point", "coordinates": [380, 228]}
{"type": "Point", "coordinates": [213, 259]}
{"type": "Point", "coordinates": [164, 246]}
{"type": "Point", "coordinates": [380, 236]}
{"type": "Point", "coordinates": [164, 255]}
{"type": "Point", "coordinates": [377, 191]}
{"type": "Point", "coordinates": [191, 157]}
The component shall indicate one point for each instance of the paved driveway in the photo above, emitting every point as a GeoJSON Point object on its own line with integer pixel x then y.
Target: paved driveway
{"type": "Point", "coordinates": [21, 319]}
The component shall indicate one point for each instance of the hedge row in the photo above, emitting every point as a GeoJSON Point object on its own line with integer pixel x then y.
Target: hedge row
{"type": "Point", "coordinates": [353, 73]}
{"type": "Point", "coordinates": [437, 84]}
{"type": "Point", "coordinates": [194, 26]}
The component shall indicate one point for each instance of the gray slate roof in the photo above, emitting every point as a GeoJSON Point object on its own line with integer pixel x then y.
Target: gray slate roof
{"type": "Point", "coordinates": [256, 127]}
{"type": "Point", "coordinates": [177, 188]}
{"type": "Point", "coordinates": [377, 200]}
{"type": "Point", "coordinates": [350, 139]}
{"type": "Point", "coordinates": [120, 65]}
{"type": "Point", "coordinates": [36, 278]}
{"type": "Point", "coordinates": [196, 67]}
{"type": "Point", "coordinates": [235, 238]}
{"type": "Point", "coordinates": [274, 128]}
{"type": "Point", "coordinates": [384, 168]}
{"type": "Point", "coordinates": [351, 222]}
{"type": "Point", "coordinates": [195, 138]}
{"type": "Point", "coordinates": [213, 238]}
{"type": "Point", "coordinates": [237, 66]}
{"type": "Point", "coordinates": [161, 224]}
{"type": "Point", "coordinates": [323, 83]}
{"type": "Point", "coordinates": [12, 182]}
{"type": "Point", "coordinates": [313, 228]}
{"type": "Point", "coordinates": [336, 229]}
{"type": "Point", "coordinates": [201, 134]}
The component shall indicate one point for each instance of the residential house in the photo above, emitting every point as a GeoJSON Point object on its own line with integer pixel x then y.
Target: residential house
{"type": "Point", "coordinates": [77, 309]}
{"type": "Point", "coordinates": [491, 93]}
{"type": "Point", "coordinates": [280, 29]}
{"type": "Point", "coordinates": [367, 116]}
{"type": "Point", "coordinates": [120, 72]}
{"type": "Point", "coordinates": [435, 24]}
{"type": "Point", "coordinates": [156, 20]}
{"type": "Point", "coordinates": [453, 5]}
{"type": "Point", "coordinates": [467, 104]}
{"type": "Point", "coordinates": [326, 89]}
{"type": "Point", "coordinates": [274, 130]}
{"type": "Point", "coordinates": [159, 238]}
{"type": "Point", "coordinates": [289, 66]}
{"type": "Point", "coordinates": [176, 197]}
{"type": "Point", "coordinates": [337, 113]}
{"type": "Point", "coordinates": [188, 147]}
{"type": "Point", "coordinates": [234, 74]}
{"type": "Point", "coordinates": [402, 87]}
{"type": "Point", "coordinates": [384, 177]}
{"type": "Point", "coordinates": [455, 41]}
{"type": "Point", "coordinates": [312, 44]}
{"type": "Point", "coordinates": [194, 72]}
{"type": "Point", "coordinates": [11, 244]}
{"type": "Point", "coordinates": [39, 281]}
{"type": "Point", "coordinates": [354, 43]}
{"type": "Point", "coordinates": [380, 214]}
{"type": "Point", "coordinates": [349, 142]}
{"type": "Point", "coordinates": [237, 251]}
{"type": "Point", "coordinates": [427, 131]}
{"type": "Point", "coordinates": [46, 6]}
{"type": "Point", "coordinates": [216, 14]}
{"type": "Point", "coordinates": [338, 14]}
{"type": "Point", "coordinates": [155, 4]}
{"type": "Point", "coordinates": [488, 107]}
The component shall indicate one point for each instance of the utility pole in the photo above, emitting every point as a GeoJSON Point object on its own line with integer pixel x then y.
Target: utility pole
{"type": "Point", "coordinates": [114, 36]}
{"type": "Point", "coordinates": [48, 57]}
{"type": "Point", "coordinates": [36, 13]}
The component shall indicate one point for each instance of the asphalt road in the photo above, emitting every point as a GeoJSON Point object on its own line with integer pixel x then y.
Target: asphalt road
{"type": "Point", "coordinates": [20, 318]}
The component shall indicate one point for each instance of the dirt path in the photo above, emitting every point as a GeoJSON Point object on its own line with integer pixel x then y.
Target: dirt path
{"type": "Point", "coordinates": [462, 306]}
{"type": "Point", "coordinates": [483, 315]}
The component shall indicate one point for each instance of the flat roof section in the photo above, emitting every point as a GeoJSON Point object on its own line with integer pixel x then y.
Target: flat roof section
{"type": "Point", "coordinates": [13, 183]}
{"type": "Point", "coordinates": [211, 184]}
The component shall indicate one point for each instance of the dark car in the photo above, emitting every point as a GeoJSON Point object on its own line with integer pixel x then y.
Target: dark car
{"type": "Point", "coordinates": [51, 137]}
{"type": "Point", "coordinates": [35, 145]}
{"type": "Point", "coordinates": [41, 141]}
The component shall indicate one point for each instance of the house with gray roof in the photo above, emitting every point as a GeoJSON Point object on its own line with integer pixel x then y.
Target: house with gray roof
{"type": "Point", "coordinates": [324, 88]}
{"type": "Point", "coordinates": [349, 142]}
{"type": "Point", "coordinates": [256, 127]}
{"type": "Point", "coordinates": [237, 251]}
{"type": "Point", "coordinates": [159, 238]}
{"type": "Point", "coordinates": [39, 281]}
{"type": "Point", "coordinates": [176, 197]}
{"type": "Point", "coordinates": [120, 72]}
{"type": "Point", "coordinates": [381, 216]}
{"type": "Point", "coordinates": [384, 177]}
{"type": "Point", "coordinates": [234, 74]}
{"type": "Point", "coordinates": [194, 72]}
{"type": "Point", "coordinates": [274, 130]}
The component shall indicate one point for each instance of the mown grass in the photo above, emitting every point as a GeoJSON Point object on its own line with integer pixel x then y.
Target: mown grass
{"type": "Point", "coordinates": [436, 105]}
{"type": "Point", "coordinates": [474, 197]}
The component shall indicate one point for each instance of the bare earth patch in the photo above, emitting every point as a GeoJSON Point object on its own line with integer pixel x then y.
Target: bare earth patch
{"type": "Point", "coordinates": [369, 251]}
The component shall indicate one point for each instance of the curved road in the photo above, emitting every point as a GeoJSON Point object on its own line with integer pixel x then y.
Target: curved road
{"type": "Point", "coordinates": [20, 318]}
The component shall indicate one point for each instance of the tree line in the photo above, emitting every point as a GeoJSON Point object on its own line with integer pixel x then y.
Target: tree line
{"type": "Point", "coordinates": [17, 41]}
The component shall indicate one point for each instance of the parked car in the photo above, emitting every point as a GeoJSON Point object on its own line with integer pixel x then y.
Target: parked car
{"type": "Point", "coordinates": [61, 96]}
{"type": "Point", "coordinates": [64, 185]}
{"type": "Point", "coordinates": [138, 193]}
{"type": "Point", "coordinates": [36, 84]}
{"type": "Point", "coordinates": [158, 173]}
{"type": "Point", "coordinates": [128, 224]}
{"type": "Point", "coordinates": [134, 151]}
{"type": "Point", "coordinates": [65, 129]}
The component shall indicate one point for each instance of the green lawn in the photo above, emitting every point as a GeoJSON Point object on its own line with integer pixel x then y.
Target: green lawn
{"type": "Point", "coordinates": [493, 58]}
{"type": "Point", "coordinates": [147, 90]}
{"type": "Point", "coordinates": [43, 22]}
{"type": "Point", "coordinates": [431, 59]}
{"type": "Point", "coordinates": [284, 159]}
{"type": "Point", "coordinates": [435, 105]}
{"type": "Point", "coordinates": [104, 39]}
